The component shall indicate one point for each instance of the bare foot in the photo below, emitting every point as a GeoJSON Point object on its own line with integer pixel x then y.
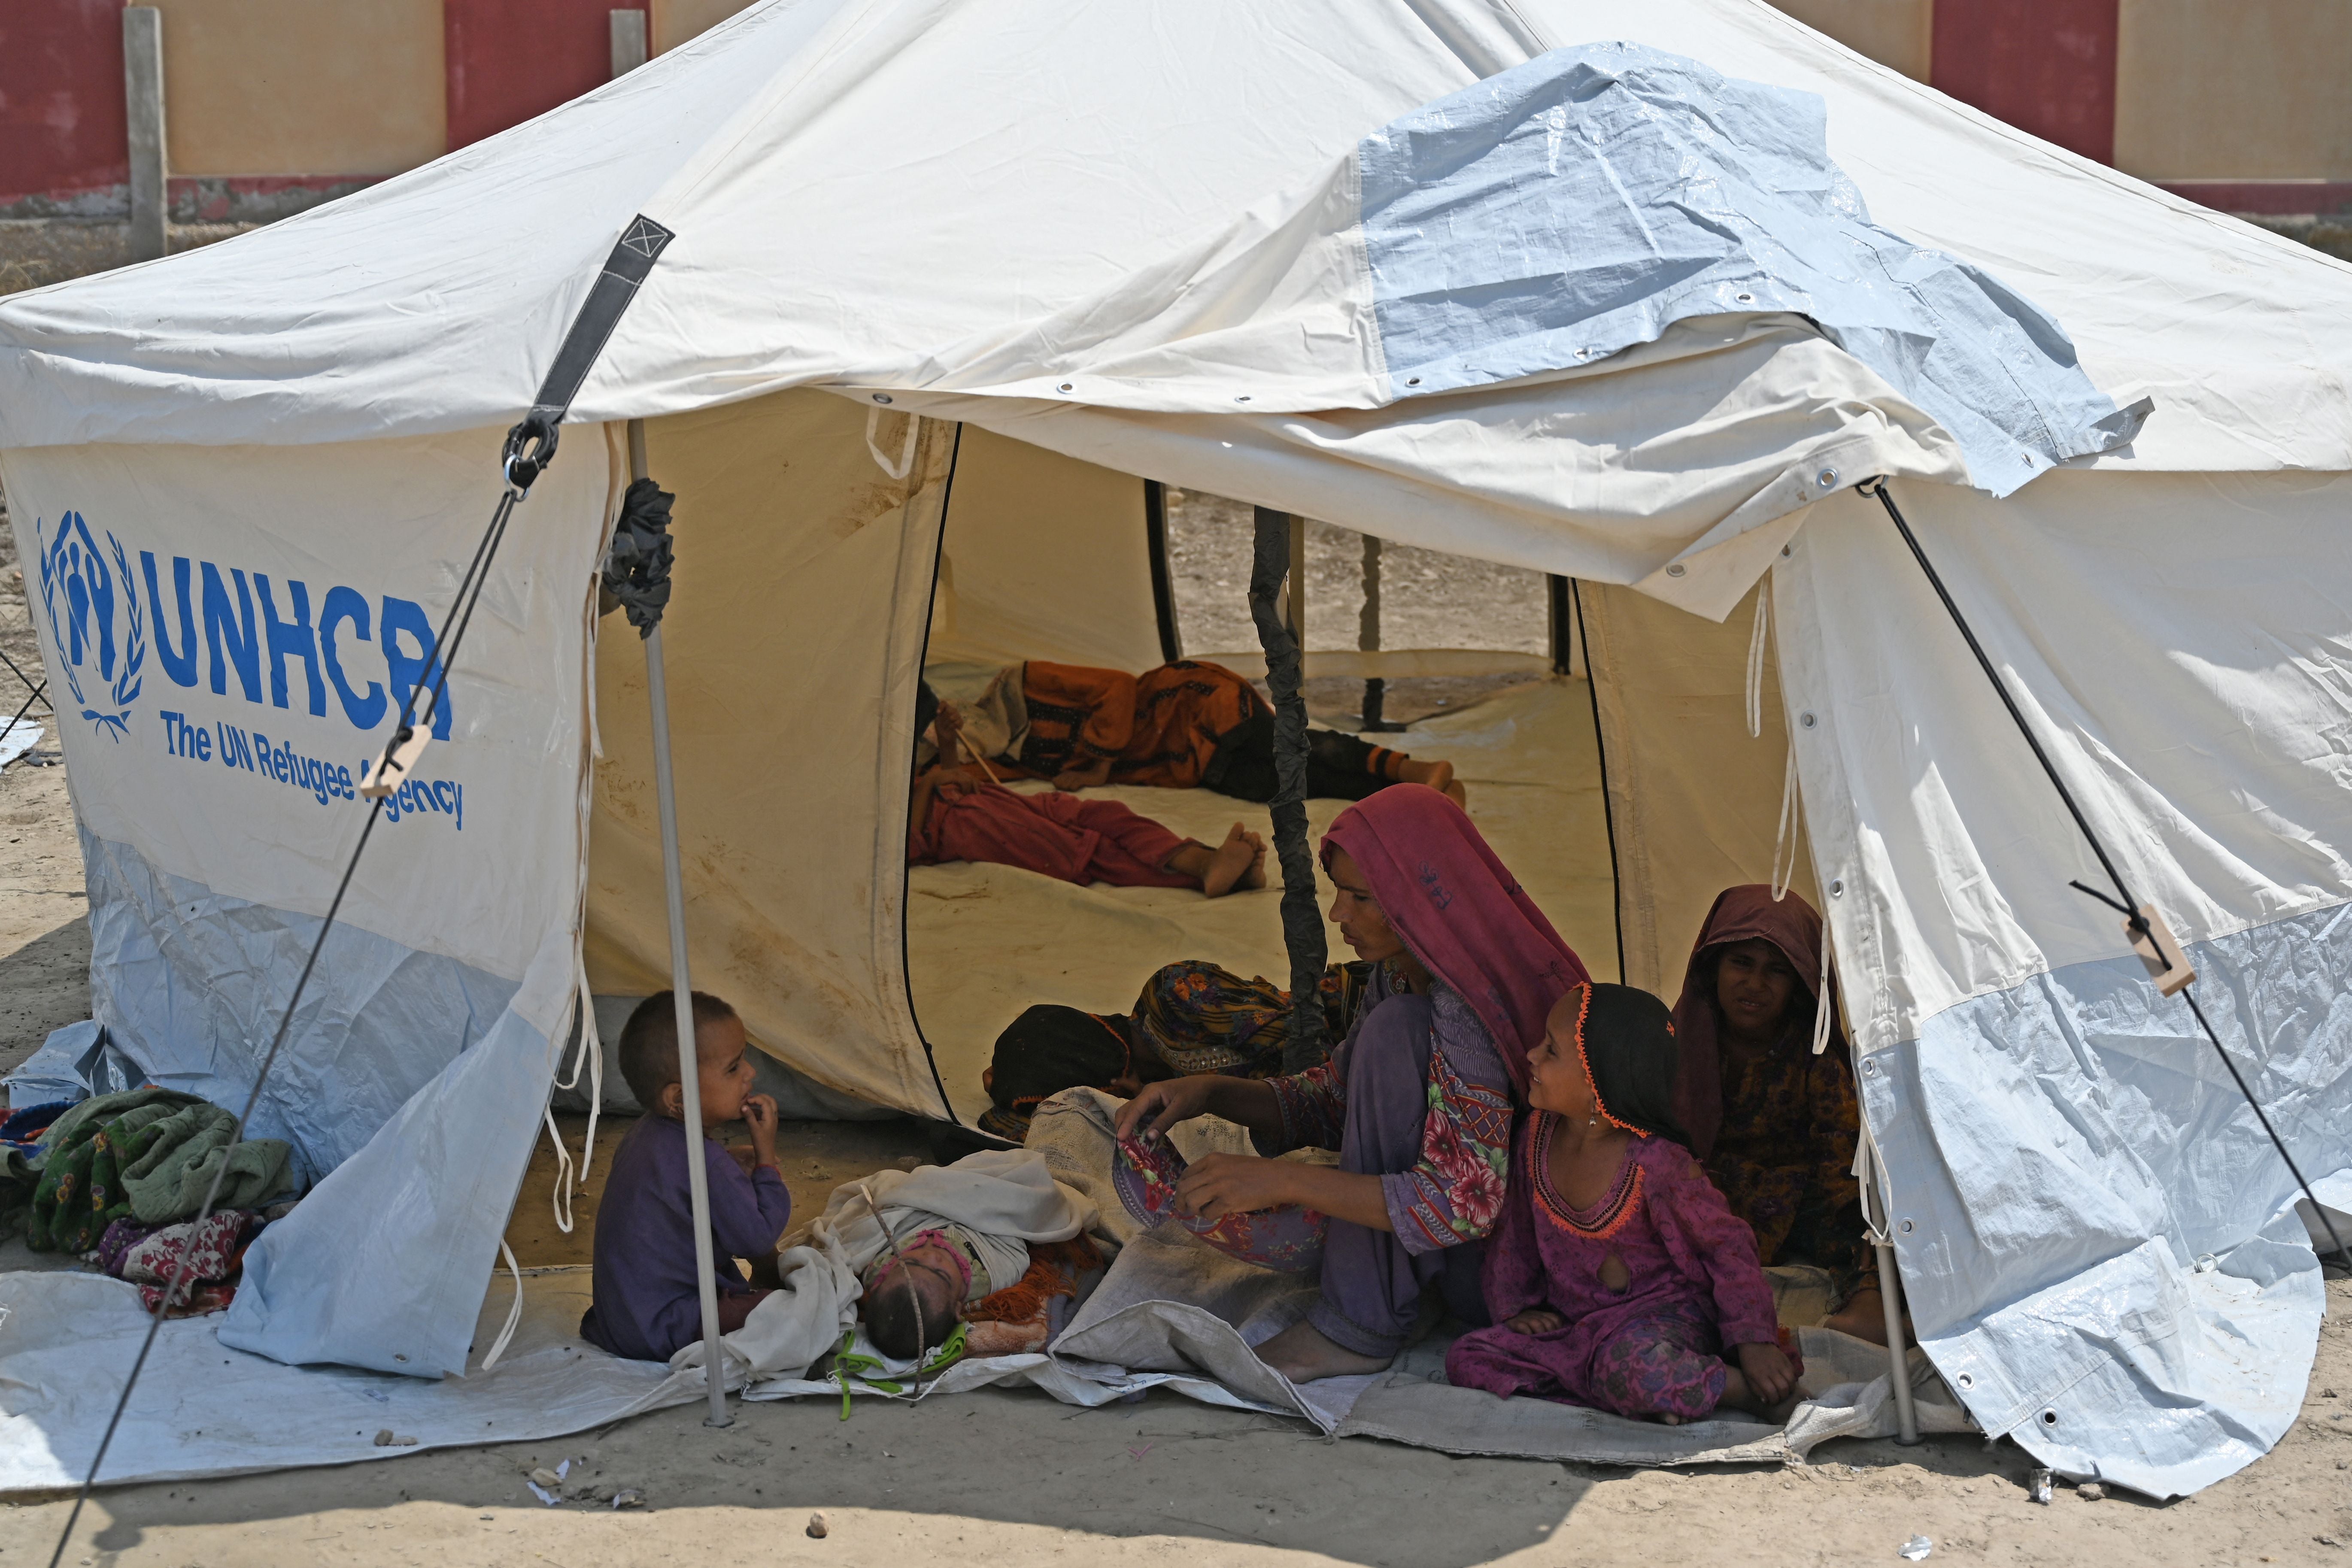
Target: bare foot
{"type": "Point", "coordinates": [1255, 876]}
{"type": "Point", "coordinates": [1230, 863]}
{"type": "Point", "coordinates": [1737, 1396]}
{"type": "Point", "coordinates": [1865, 1318]}
{"type": "Point", "coordinates": [1302, 1354]}
{"type": "Point", "coordinates": [1437, 775]}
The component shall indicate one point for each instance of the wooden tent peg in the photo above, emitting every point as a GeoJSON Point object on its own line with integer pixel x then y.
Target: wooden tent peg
{"type": "Point", "coordinates": [2167, 964]}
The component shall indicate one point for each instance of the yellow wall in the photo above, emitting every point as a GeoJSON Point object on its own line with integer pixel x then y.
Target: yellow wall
{"type": "Point", "coordinates": [302, 86]}
{"type": "Point", "coordinates": [2247, 91]}
{"type": "Point", "coordinates": [1891, 32]}
{"type": "Point", "coordinates": [676, 21]}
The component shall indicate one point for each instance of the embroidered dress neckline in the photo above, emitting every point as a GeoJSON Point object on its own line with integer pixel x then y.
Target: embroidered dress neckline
{"type": "Point", "coordinates": [1603, 1219]}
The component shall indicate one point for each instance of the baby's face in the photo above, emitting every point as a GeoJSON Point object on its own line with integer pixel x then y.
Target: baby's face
{"type": "Point", "coordinates": [933, 1268]}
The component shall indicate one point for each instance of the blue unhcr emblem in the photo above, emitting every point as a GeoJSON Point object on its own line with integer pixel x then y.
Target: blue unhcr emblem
{"type": "Point", "coordinates": [83, 627]}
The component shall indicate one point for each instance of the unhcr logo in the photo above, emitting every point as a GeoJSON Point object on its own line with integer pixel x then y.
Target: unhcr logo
{"type": "Point", "coordinates": [237, 632]}
{"type": "Point", "coordinates": [88, 601]}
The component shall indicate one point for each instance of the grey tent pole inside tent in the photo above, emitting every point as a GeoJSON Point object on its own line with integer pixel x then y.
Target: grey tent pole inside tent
{"type": "Point", "coordinates": [698, 1177]}
{"type": "Point", "coordinates": [1898, 1356]}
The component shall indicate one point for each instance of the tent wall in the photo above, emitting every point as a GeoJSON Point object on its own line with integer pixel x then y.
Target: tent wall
{"type": "Point", "coordinates": [793, 639]}
{"type": "Point", "coordinates": [430, 1025]}
{"type": "Point", "coordinates": [2061, 1145]}
{"type": "Point", "coordinates": [1045, 557]}
{"type": "Point", "coordinates": [1693, 799]}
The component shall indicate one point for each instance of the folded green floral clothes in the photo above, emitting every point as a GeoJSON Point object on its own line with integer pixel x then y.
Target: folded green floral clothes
{"type": "Point", "coordinates": [150, 1156]}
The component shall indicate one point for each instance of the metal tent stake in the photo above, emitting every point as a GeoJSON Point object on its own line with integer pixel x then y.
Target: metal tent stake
{"type": "Point", "coordinates": [698, 1178]}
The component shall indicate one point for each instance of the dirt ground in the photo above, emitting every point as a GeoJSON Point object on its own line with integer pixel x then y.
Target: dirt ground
{"type": "Point", "coordinates": [1012, 1476]}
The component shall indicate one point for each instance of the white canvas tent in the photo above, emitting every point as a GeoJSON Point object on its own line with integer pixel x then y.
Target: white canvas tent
{"type": "Point", "coordinates": [1168, 243]}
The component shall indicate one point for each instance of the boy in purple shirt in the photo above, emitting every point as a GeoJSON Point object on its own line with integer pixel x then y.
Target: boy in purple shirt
{"type": "Point", "coordinates": [647, 1302]}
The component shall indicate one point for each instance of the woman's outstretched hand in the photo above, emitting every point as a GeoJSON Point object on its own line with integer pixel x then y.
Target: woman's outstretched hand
{"type": "Point", "coordinates": [1216, 1185]}
{"type": "Point", "coordinates": [1164, 1104]}
{"type": "Point", "coordinates": [1770, 1375]}
{"type": "Point", "coordinates": [1534, 1321]}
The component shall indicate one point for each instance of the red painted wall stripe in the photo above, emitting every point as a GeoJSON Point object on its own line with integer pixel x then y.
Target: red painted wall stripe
{"type": "Point", "coordinates": [61, 116]}
{"type": "Point", "coordinates": [2047, 67]}
{"type": "Point", "coordinates": [510, 60]}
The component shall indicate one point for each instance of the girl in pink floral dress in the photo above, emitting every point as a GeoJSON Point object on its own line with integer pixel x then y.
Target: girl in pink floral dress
{"type": "Point", "coordinates": [1617, 1277]}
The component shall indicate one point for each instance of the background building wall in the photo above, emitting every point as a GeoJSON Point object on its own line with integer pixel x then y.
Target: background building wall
{"type": "Point", "coordinates": [676, 21]}
{"type": "Point", "coordinates": [62, 136]}
{"type": "Point", "coordinates": [274, 105]}
{"type": "Point", "coordinates": [299, 87]}
{"type": "Point", "coordinates": [511, 59]}
{"type": "Point", "coordinates": [1895, 33]}
{"type": "Point", "coordinates": [2251, 90]}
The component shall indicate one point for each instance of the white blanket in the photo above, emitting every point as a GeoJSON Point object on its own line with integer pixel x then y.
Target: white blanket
{"type": "Point", "coordinates": [1005, 1198]}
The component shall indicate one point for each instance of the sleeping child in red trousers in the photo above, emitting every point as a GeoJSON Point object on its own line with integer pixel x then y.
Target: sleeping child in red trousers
{"type": "Point", "coordinates": [952, 815]}
{"type": "Point", "coordinates": [1617, 1277]}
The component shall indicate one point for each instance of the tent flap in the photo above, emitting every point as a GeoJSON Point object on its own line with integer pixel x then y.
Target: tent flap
{"type": "Point", "coordinates": [2097, 1235]}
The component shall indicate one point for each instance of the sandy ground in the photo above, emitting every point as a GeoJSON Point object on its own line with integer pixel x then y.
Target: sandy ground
{"type": "Point", "coordinates": [1014, 1477]}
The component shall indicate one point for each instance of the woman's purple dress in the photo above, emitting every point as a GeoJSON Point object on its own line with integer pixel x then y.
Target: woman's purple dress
{"type": "Point", "coordinates": [1651, 1349]}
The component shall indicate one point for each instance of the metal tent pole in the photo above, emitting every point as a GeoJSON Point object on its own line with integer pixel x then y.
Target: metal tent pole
{"type": "Point", "coordinates": [698, 1178]}
{"type": "Point", "coordinates": [1890, 1295]}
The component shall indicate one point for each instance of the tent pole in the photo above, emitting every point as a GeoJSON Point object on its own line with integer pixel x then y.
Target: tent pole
{"type": "Point", "coordinates": [689, 1072]}
{"type": "Point", "coordinates": [1890, 1295]}
{"type": "Point", "coordinates": [1297, 610]}
{"type": "Point", "coordinates": [1367, 632]}
{"type": "Point", "coordinates": [1368, 640]}
{"type": "Point", "coordinates": [1275, 554]}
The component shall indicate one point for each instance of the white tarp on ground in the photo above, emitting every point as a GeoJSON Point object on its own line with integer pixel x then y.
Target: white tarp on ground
{"type": "Point", "coordinates": [203, 1408]}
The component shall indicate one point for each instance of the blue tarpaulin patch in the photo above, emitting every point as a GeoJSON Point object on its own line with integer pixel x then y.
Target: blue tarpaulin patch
{"type": "Point", "coordinates": [1581, 204]}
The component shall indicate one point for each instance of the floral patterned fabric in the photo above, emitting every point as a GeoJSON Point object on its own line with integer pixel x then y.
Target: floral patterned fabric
{"type": "Point", "coordinates": [1194, 1016]}
{"type": "Point", "coordinates": [1455, 1192]}
{"type": "Point", "coordinates": [1784, 1159]}
{"type": "Point", "coordinates": [1287, 1238]}
{"type": "Point", "coordinates": [211, 1251]}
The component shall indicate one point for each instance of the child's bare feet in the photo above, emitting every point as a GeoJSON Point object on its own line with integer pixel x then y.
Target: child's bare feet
{"type": "Point", "coordinates": [1864, 1317]}
{"type": "Point", "coordinates": [1302, 1354]}
{"type": "Point", "coordinates": [1230, 863]}
{"type": "Point", "coordinates": [1437, 775]}
{"type": "Point", "coordinates": [1738, 1395]}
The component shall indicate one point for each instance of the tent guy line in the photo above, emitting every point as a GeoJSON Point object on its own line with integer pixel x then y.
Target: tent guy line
{"type": "Point", "coordinates": [446, 653]}
{"type": "Point", "coordinates": [2145, 934]}
{"type": "Point", "coordinates": [529, 449]}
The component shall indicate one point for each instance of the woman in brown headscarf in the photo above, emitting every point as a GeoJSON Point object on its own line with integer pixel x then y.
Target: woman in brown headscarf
{"type": "Point", "coordinates": [1774, 1124]}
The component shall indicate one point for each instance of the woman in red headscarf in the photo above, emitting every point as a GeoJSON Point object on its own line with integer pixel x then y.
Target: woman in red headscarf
{"type": "Point", "coordinates": [1417, 1099]}
{"type": "Point", "coordinates": [1775, 1123]}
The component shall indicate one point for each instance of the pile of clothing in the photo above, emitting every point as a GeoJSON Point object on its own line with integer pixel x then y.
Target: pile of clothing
{"type": "Point", "coordinates": [120, 1178]}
